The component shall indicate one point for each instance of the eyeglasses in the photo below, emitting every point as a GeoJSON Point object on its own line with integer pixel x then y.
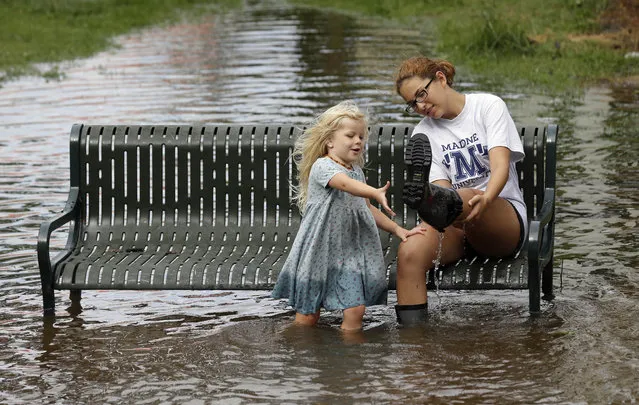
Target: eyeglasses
{"type": "Point", "coordinates": [421, 96]}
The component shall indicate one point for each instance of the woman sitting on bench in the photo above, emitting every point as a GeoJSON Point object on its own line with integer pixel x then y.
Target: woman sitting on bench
{"type": "Point", "coordinates": [461, 179]}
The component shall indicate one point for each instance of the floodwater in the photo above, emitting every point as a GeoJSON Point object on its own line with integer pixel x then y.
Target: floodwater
{"type": "Point", "coordinates": [267, 64]}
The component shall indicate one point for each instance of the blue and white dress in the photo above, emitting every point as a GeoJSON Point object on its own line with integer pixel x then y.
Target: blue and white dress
{"type": "Point", "coordinates": [336, 259]}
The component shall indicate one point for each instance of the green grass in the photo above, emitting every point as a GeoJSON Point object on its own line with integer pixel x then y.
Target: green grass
{"type": "Point", "coordinates": [519, 41]}
{"type": "Point", "coordinates": [491, 38]}
{"type": "Point", "coordinates": [34, 31]}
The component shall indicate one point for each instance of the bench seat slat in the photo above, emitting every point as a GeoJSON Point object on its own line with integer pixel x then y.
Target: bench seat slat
{"type": "Point", "coordinates": [235, 262]}
{"type": "Point", "coordinates": [245, 269]}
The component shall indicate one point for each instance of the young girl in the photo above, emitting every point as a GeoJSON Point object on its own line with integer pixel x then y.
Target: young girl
{"type": "Point", "coordinates": [336, 259]}
{"type": "Point", "coordinates": [466, 145]}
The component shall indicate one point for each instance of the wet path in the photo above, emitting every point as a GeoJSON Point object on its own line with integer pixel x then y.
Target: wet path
{"type": "Point", "coordinates": [283, 65]}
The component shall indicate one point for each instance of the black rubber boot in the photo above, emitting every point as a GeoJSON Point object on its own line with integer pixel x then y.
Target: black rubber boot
{"type": "Point", "coordinates": [437, 206]}
{"type": "Point", "coordinates": [412, 315]}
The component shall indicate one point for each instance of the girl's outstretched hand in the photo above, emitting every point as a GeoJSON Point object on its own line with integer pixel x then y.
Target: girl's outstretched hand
{"type": "Point", "coordinates": [380, 197]}
{"type": "Point", "coordinates": [404, 233]}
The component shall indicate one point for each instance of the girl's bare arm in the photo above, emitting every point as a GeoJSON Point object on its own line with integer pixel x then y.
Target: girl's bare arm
{"type": "Point", "coordinates": [342, 182]}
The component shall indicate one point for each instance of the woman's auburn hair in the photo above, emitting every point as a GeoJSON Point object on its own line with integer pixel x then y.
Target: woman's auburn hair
{"type": "Point", "coordinates": [312, 144]}
{"type": "Point", "coordinates": [423, 67]}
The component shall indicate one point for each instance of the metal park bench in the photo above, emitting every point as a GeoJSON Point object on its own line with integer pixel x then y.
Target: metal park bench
{"type": "Point", "coordinates": [208, 207]}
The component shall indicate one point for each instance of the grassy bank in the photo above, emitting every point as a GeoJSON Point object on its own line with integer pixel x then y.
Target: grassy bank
{"type": "Point", "coordinates": [33, 31]}
{"type": "Point", "coordinates": [554, 44]}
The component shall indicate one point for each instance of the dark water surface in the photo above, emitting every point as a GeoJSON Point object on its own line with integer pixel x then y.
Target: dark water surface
{"type": "Point", "coordinates": [282, 65]}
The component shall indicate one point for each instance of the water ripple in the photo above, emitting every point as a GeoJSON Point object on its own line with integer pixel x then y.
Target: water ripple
{"type": "Point", "coordinates": [284, 65]}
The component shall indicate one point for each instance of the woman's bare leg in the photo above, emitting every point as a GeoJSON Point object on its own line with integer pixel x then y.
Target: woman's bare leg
{"type": "Point", "coordinates": [496, 233]}
{"type": "Point", "coordinates": [415, 258]}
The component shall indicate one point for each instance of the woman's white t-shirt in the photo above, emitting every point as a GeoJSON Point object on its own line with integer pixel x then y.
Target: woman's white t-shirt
{"type": "Point", "coordinates": [460, 146]}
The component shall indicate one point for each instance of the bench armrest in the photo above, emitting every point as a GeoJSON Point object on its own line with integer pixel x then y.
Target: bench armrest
{"type": "Point", "coordinates": [537, 239]}
{"type": "Point", "coordinates": [46, 229]}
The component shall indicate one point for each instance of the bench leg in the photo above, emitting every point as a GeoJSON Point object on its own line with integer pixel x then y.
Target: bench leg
{"type": "Point", "coordinates": [48, 300]}
{"type": "Point", "coordinates": [48, 332]}
{"type": "Point", "coordinates": [534, 288]}
{"type": "Point", "coordinates": [75, 295]}
{"type": "Point", "coordinates": [76, 308]}
{"type": "Point", "coordinates": [546, 282]}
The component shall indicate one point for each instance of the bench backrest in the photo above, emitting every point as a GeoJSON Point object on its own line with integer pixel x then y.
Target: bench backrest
{"type": "Point", "coordinates": [171, 177]}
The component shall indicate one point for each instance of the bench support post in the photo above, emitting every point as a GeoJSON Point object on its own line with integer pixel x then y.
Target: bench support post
{"type": "Point", "coordinates": [546, 282]}
{"type": "Point", "coordinates": [76, 308]}
{"type": "Point", "coordinates": [75, 296]}
{"type": "Point", "coordinates": [48, 300]}
{"type": "Point", "coordinates": [534, 288]}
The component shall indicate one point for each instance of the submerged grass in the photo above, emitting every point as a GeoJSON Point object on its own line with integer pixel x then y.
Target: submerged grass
{"type": "Point", "coordinates": [524, 41]}
{"type": "Point", "coordinates": [34, 31]}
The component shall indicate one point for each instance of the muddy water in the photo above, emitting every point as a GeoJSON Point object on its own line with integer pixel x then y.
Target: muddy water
{"type": "Point", "coordinates": [264, 65]}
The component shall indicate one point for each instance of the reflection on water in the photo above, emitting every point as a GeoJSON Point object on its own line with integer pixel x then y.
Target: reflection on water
{"type": "Point", "coordinates": [282, 65]}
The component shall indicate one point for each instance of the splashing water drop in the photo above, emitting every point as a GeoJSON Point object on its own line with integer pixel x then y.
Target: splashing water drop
{"type": "Point", "coordinates": [436, 263]}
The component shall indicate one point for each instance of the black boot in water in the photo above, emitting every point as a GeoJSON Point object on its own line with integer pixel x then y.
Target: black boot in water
{"type": "Point", "coordinates": [437, 206]}
{"type": "Point", "coordinates": [412, 315]}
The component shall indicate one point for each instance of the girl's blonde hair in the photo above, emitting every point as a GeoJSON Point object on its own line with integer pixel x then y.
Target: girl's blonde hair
{"type": "Point", "coordinates": [312, 144]}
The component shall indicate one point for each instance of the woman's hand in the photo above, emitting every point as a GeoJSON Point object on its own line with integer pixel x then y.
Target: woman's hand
{"type": "Point", "coordinates": [478, 205]}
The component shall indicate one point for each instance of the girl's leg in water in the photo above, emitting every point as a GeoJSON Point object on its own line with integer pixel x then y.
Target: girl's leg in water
{"type": "Point", "coordinates": [353, 318]}
{"type": "Point", "coordinates": [307, 319]}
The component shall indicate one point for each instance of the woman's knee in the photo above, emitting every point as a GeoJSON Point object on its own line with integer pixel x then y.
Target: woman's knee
{"type": "Point", "coordinates": [412, 255]}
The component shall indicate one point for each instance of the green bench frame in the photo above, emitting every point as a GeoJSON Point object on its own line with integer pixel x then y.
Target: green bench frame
{"type": "Point", "coordinates": [154, 207]}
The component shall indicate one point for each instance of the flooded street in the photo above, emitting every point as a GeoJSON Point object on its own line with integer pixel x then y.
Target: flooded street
{"type": "Point", "coordinates": [267, 64]}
